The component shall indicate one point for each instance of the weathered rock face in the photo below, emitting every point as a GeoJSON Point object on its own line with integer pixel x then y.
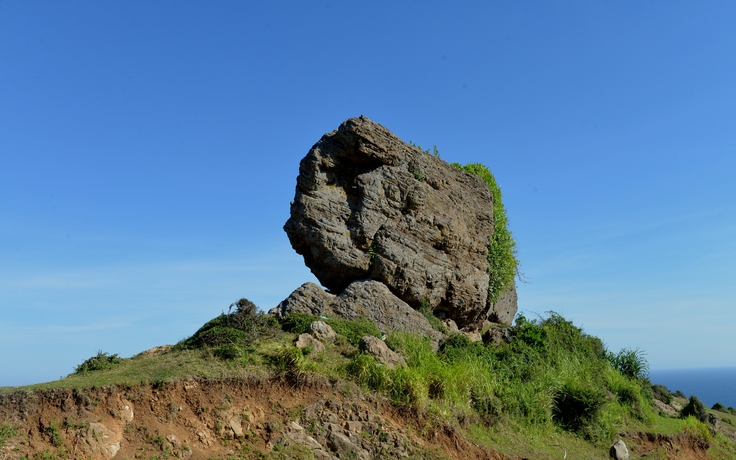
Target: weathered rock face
{"type": "Point", "coordinates": [504, 309]}
{"type": "Point", "coordinates": [369, 206]}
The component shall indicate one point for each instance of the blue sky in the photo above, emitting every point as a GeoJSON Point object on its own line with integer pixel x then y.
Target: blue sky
{"type": "Point", "coordinates": [149, 150]}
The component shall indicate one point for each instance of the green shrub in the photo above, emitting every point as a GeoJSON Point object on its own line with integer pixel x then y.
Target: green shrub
{"type": "Point", "coordinates": [100, 362]}
{"type": "Point", "coordinates": [719, 407]}
{"type": "Point", "coordinates": [369, 373]}
{"type": "Point", "coordinates": [487, 406]}
{"type": "Point", "coordinates": [215, 336]}
{"type": "Point", "coordinates": [457, 346]}
{"type": "Point", "coordinates": [577, 405]}
{"type": "Point", "coordinates": [662, 393]}
{"type": "Point", "coordinates": [292, 363]}
{"type": "Point", "coordinates": [353, 330]}
{"type": "Point", "coordinates": [632, 396]}
{"type": "Point", "coordinates": [695, 408]}
{"type": "Point", "coordinates": [698, 428]}
{"type": "Point", "coordinates": [531, 333]}
{"type": "Point", "coordinates": [503, 263]}
{"type": "Point", "coordinates": [228, 351]}
{"type": "Point", "coordinates": [247, 318]}
{"type": "Point", "coordinates": [297, 322]}
{"type": "Point", "coordinates": [230, 333]}
{"type": "Point", "coordinates": [630, 362]}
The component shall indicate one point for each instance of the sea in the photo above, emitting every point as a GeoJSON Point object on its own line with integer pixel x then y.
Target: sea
{"type": "Point", "coordinates": [710, 385]}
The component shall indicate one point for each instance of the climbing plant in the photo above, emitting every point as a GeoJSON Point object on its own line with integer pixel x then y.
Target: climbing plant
{"type": "Point", "coordinates": [503, 263]}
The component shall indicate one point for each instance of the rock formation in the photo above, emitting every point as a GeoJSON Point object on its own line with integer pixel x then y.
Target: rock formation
{"type": "Point", "coordinates": [362, 299]}
{"type": "Point", "coordinates": [370, 207]}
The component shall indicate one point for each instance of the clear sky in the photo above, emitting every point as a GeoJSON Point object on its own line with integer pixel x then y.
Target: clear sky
{"type": "Point", "coordinates": [149, 151]}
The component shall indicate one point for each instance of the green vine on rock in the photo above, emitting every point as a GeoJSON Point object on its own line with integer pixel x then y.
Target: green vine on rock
{"type": "Point", "coordinates": [503, 263]}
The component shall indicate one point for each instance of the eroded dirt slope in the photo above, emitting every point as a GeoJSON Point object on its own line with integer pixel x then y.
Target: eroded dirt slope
{"type": "Point", "coordinates": [222, 419]}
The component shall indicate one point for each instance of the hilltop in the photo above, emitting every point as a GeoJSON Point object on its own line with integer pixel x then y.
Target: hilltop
{"type": "Point", "coordinates": [549, 390]}
{"type": "Point", "coordinates": [410, 353]}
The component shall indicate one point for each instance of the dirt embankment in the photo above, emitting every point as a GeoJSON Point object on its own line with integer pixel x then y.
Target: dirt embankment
{"type": "Point", "coordinates": [193, 419]}
{"type": "Point", "coordinates": [682, 446]}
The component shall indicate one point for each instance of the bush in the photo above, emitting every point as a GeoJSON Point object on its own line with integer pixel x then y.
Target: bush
{"type": "Point", "coordinates": [577, 405]}
{"type": "Point", "coordinates": [353, 330]}
{"type": "Point", "coordinates": [487, 406]}
{"type": "Point", "coordinates": [661, 393]}
{"type": "Point", "coordinates": [503, 263]}
{"type": "Point", "coordinates": [216, 335]}
{"type": "Point", "coordinates": [530, 332]}
{"type": "Point", "coordinates": [228, 351]}
{"type": "Point", "coordinates": [630, 362]}
{"type": "Point", "coordinates": [99, 362]}
{"type": "Point", "coordinates": [292, 363]}
{"type": "Point", "coordinates": [719, 407]}
{"type": "Point", "coordinates": [297, 322]}
{"type": "Point", "coordinates": [230, 333]}
{"type": "Point", "coordinates": [695, 408]}
{"type": "Point", "coordinates": [369, 373]}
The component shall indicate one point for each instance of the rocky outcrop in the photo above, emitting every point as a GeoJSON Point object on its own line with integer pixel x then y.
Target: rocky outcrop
{"type": "Point", "coordinates": [367, 299]}
{"type": "Point", "coordinates": [618, 451]}
{"type": "Point", "coordinates": [497, 335]}
{"type": "Point", "coordinates": [321, 331]}
{"type": "Point", "coordinates": [370, 207]}
{"type": "Point", "coordinates": [503, 310]}
{"type": "Point", "coordinates": [379, 350]}
{"type": "Point", "coordinates": [664, 409]}
{"type": "Point", "coordinates": [307, 341]}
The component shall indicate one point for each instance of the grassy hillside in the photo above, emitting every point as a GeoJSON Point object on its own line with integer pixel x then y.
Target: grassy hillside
{"type": "Point", "coordinates": [552, 389]}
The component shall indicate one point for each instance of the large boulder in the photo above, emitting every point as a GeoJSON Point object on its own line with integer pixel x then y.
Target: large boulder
{"type": "Point", "coordinates": [367, 299]}
{"type": "Point", "coordinates": [369, 206]}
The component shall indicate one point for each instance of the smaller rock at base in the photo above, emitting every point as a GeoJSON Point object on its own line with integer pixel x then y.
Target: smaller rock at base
{"type": "Point", "coordinates": [381, 351]}
{"type": "Point", "coordinates": [345, 448]}
{"type": "Point", "coordinates": [450, 325]}
{"type": "Point", "coordinates": [307, 341]}
{"type": "Point", "coordinates": [619, 451]}
{"type": "Point", "coordinates": [321, 331]}
{"type": "Point", "coordinates": [497, 335]}
{"type": "Point", "coordinates": [474, 336]}
{"type": "Point", "coordinates": [715, 422]}
{"type": "Point", "coordinates": [664, 409]}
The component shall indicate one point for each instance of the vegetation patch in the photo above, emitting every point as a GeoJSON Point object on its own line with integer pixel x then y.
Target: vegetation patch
{"type": "Point", "coordinates": [502, 259]}
{"type": "Point", "coordinates": [7, 431]}
{"type": "Point", "coordinates": [352, 331]}
{"type": "Point", "coordinates": [662, 393]}
{"type": "Point", "coordinates": [100, 362]}
{"type": "Point", "coordinates": [630, 362]}
{"type": "Point", "coordinates": [230, 334]}
{"type": "Point", "coordinates": [577, 405]}
{"type": "Point", "coordinates": [552, 384]}
{"type": "Point", "coordinates": [695, 408]}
